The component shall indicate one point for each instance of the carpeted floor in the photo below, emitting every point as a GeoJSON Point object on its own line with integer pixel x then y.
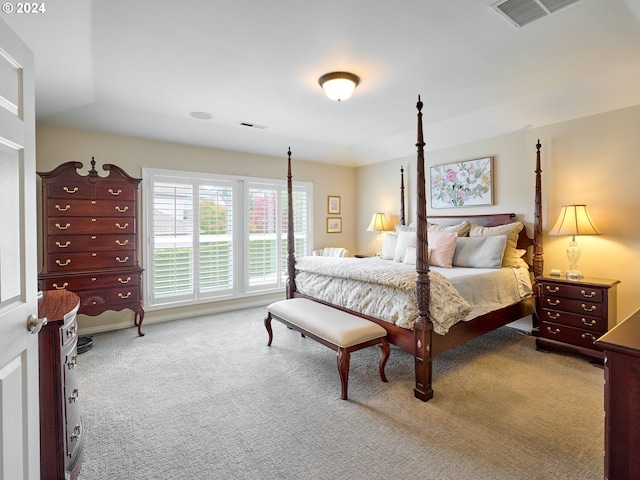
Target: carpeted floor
{"type": "Point", "coordinates": [205, 398]}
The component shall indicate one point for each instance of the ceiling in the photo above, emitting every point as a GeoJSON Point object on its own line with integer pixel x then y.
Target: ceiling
{"type": "Point", "coordinates": [138, 68]}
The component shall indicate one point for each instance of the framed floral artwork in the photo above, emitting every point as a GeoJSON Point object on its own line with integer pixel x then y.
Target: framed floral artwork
{"type": "Point", "coordinates": [462, 184]}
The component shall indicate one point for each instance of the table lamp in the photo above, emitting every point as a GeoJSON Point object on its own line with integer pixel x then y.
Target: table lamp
{"type": "Point", "coordinates": [378, 224]}
{"type": "Point", "coordinates": [574, 220]}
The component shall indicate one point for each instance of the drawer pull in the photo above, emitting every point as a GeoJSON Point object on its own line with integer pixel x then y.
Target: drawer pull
{"type": "Point", "coordinates": [592, 308]}
{"type": "Point", "coordinates": [124, 281]}
{"type": "Point", "coordinates": [588, 324]}
{"type": "Point", "coordinates": [66, 244]}
{"type": "Point", "coordinates": [553, 316]}
{"type": "Point", "coordinates": [74, 396]}
{"type": "Point", "coordinates": [122, 243]}
{"type": "Point", "coordinates": [72, 362]}
{"type": "Point", "coordinates": [60, 227]}
{"type": "Point", "coordinates": [64, 285]}
{"type": "Point", "coordinates": [553, 332]}
{"type": "Point", "coordinates": [553, 303]}
{"type": "Point", "coordinates": [555, 289]}
{"type": "Point", "coordinates": [587, 295]}
{"type": "Point", "coordinates": [115, 193]}
{"type": "Point", "coordinates": [122, 210]}
{"type": "Point", "coordinates": [586, 336]}
{"type": "Point", "coordinates": [122, 227]}
{"type": "Point", "coordinates": [67, 262]}
{"type": "Point", "coordinates": [70, 191]}
{"type": "Point", "coordinates": [120, 260]}
{"type": "Point", "coordinates": [72, 330]}
{"type": "Point", "coordinates": [63, 209]}
{"type": "Point", "coordinates": [77, 431]}
{"type": "Point", "coordinates": [124, 296]}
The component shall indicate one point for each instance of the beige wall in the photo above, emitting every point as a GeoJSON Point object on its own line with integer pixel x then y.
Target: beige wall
{"type": "Point", "coordinates": [57, 145]}
{"type": "Point", "coordinates": [591, 160]}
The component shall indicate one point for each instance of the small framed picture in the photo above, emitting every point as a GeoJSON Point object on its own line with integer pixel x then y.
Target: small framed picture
{"type": "Point", "coordinates": [333, 207]}
{"type": "Point", "coordinates": [334, 225]}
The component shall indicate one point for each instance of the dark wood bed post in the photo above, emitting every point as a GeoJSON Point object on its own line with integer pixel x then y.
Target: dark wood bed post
{"type": "Point", "coordinates": [423, 328]}
{"type": "Point", "coordinates": [291, 245]}
{"type": "Point", "coordinates": [538, 261]}
{"type": "Point", "coordinates": [402, 220]}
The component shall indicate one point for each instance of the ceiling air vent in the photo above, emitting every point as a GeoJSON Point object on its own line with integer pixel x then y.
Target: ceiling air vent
{"type": "Point", "coordinates": [520, 12]}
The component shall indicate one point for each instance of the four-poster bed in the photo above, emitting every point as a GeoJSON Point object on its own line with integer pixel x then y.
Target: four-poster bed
{"type": "Point", "coordinates": [419, 338]}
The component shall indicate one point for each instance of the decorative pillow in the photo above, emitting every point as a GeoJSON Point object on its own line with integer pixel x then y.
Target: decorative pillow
{"type": "Point", "coordinates": [442, 246]}
{"type": "Point", "coordinates": [462, 229]}
{"type": "Point", "coordinates": [389, 246]}
{"type": "Point", "coordinates": [511, 230]}
{"type": "Point", "coordinates": [479, 252]}
{"type": "Point", "coordinates": [405, 239]}
{"type": "Point", "coordinates": [405, 228]}
{"type": "Point", "coordinates": [410, 256]}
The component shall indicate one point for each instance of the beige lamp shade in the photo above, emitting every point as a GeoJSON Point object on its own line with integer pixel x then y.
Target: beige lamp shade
{"type": "Point", "coordinates": [574, 220]}
{"type": "Point", "coordinates": [378, 223]}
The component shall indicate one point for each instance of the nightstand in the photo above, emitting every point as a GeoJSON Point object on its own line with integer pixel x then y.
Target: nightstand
{"type": "Point", "coordinates": [575, 313]}
{"type": "Point", "coordinates": [365, 255]}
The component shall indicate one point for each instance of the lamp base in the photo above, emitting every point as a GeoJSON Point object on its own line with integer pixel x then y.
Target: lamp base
{"type": "Point", "coordinates": [574, 275]}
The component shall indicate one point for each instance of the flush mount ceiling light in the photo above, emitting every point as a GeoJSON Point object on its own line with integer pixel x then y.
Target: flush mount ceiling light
{"type": "Point", "coordinates": [339, 85]}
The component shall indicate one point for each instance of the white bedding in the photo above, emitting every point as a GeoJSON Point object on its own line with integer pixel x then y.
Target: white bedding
{"type": "Point", "coordinates": [385, 289]}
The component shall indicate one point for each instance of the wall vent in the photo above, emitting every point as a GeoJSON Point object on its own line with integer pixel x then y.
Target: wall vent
{"type": "Point", "coordinates": [253, 125]}
{"type": "Point", "coordinates": [521, 12]}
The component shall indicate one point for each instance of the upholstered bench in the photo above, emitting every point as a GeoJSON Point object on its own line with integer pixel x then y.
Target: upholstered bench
{"type": "Point", "coordinates": [338, 330]}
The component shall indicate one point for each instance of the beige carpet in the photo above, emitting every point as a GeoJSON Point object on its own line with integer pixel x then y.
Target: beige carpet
{"type": "Point", "coordinates": [205, 398]}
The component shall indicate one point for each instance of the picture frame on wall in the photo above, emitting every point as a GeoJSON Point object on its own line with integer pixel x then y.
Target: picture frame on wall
{"type": "Point", "coordinates": [333, 205]}
{"type": "Point", "coordinates": [462, 184]}
{"type": "Point", "coordinates": [334, 225]}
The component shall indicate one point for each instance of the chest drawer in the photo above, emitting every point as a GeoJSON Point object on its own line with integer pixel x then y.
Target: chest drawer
{"type": "Point", "coordinates": [570, 305]}
{"type": "Point", "coordinates": [90, 225]}
{"type": "Point", "coordinates": [96, 208]}
{"type": "Point", "coordinates": [60, 244]}
{"type": "Point", "coordinates": [578, 292]}
{"type": "Point", "coordinates": [90, 260]}
{"type": "Point", "coordinates": [569, 335]}
{"type": "Point", "coordinates": [70, 189]}
{"type": "Point", "coordinates": [593, 324]}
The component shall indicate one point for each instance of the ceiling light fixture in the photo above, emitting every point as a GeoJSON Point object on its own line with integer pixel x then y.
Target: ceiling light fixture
{"type": "Point", "coordinates": [339, 85]}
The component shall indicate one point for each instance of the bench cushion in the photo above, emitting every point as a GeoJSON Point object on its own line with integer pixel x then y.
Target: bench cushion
{"type": "Point", "coordinates": [335, 326]}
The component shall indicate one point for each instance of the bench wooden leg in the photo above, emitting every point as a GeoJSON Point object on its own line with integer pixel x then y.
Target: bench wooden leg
{"type": "Point", "coordinates": [384, 356]}
{"type": "Point", "coordinates": [267, 325]}
{"type": "Point", "coordinates": [344, 358]}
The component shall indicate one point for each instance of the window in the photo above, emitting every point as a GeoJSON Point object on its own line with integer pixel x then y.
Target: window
{"type": "Point", "coordinates": [218, 236]}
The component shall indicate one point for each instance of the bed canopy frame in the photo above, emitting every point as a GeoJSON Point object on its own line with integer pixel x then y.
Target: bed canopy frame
{"type": "Point", "coordinates": [421, 341]}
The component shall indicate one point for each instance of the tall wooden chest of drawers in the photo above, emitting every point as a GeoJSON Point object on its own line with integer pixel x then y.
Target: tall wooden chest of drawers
{"type": "Point", "coordinates": [61, 431]}
{"type": "Point", "coordinates": [575, 313]}
{"type": "Point", "coordinates": [90, 238]}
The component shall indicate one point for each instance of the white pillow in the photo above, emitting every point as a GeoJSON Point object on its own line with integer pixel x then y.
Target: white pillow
{"type": "Point", "coordinates": [511, 230]}
{"type": "Point", "coordinates": [479, 252]}
{"type": "Point", "coordinates": [389, 246]}
{"type": "Point", "coordinates": [410, 256]}
{"type": "Point", "coordinates": [405, 239]}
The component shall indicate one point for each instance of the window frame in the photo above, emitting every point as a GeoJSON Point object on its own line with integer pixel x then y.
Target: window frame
{"type": "Point", "coordinates": [240, 234]}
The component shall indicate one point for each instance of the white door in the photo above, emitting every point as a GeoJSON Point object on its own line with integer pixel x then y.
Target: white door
{"type": "Point", "coordinates": [20, 440]}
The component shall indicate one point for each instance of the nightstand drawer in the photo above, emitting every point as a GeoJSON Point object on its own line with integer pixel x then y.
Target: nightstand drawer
{"type": "Point", "coordinates": [569, 335]}
{"type": "Point", "coordinates": [573, 306]}
{"type": "Point", "coordinates": [592, 324]}
{"type": "Point", "coordinates": [581, 292]}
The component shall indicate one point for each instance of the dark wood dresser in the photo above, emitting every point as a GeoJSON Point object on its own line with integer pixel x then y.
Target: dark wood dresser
{"type": "Point", "coordinates": [574, 313]}
{"type": "Point", "coordinates": [621, 347]}
{"type": "Point", "coordinates": [90, 239]}
{"type": "Point", "coordinates": [61, 434]}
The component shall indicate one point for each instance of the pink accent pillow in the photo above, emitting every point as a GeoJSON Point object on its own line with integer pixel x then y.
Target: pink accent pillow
{"type": "Point", "coordinates": [442, 246]}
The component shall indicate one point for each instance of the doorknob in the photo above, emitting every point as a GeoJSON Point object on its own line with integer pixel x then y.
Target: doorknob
{"type": "Point", "coordinates": [35, 324]}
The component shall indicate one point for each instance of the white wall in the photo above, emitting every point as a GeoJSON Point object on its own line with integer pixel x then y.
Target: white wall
{"type": "Point", "coordinates": [591, 160]}
{"type": "Point", "coordinates": [58, 145]}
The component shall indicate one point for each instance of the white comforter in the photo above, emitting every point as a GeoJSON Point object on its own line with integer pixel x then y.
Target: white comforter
{"type": "Point", "coordinates": [386, 290]}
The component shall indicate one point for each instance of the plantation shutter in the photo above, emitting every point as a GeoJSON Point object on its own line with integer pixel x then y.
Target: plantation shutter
{"type": "Point", "coordinates": [263, 232]}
